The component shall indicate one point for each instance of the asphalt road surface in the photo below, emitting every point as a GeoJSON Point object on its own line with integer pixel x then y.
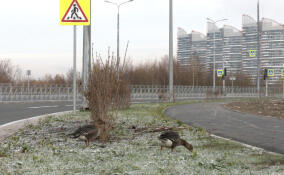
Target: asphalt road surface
{"type": "Point", "coordinates": [259, 131]}
{"type": "Point", "coordinates": [16, 111]}
{"type": "Point", "coordinates": [10, 112]}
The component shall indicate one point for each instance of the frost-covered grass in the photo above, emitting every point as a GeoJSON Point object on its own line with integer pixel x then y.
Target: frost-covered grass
{"type": "Point", "coordinates": [46, 149]}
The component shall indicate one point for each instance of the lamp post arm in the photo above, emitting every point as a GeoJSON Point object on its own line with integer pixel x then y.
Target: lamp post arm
{"type": "Point", "coordinates": [221, 20]}
{"type": "Point", "coordinates": [123, 3]}
{"type": "Point", "coordinates": [111, 2]}
{"type": "Point", "coordinates": [211, 20]}
{"type": "Point", "coordinates": [214, 22]}
{"type": "Point", "coordinates": [118, 26]}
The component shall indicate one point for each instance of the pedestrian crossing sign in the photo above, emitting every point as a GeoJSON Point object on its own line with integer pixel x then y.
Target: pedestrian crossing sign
{"type": "Point", "coordinates": [75, 12]}
{"type": "Point", "coordinates": [252, 53]}
{"type": "Point", "coordinates": [270, 72]}
{"type": "Point", "coordinates": [282, 72]}
{"type": "Point", "coordinates": [220, 72]}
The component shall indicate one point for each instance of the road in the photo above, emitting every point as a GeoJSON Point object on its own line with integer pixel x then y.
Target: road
{"type": "Point", "coordinates": [10, 112]}
{"type": "Point", "coordinates": [259, 131]}
{"type": "Point", "coordinates": [16, 111]}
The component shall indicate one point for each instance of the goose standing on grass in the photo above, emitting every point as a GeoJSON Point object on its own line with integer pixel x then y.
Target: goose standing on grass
{"type": "Point", "coordinates": [87, 133]}
{"type": "Point", "coordinates": [171, 139]}
{"type": "Point", "coordinates": [81, 130]}
{"type": "Point", "coordinates": [90, 135]}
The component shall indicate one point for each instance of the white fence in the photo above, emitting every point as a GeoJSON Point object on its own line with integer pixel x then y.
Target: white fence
{"type": "Point", "coordinates": [138, 92]}
{"type": "Point", "coordinates": [36, 93]}
{"type": "Point", "coordinates": [148, 92]}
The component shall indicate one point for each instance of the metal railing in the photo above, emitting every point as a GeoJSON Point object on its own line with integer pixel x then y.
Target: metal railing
{"type": "Point", "coordinates": [36, 93]}
{"type": "Point", "coordinates": [9, 92]}
{"type": "Point", "coordinates": [149, 92]}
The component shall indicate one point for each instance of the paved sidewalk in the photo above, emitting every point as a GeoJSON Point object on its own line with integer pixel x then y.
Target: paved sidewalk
{"type": "Point", "coordinates": [259, 131]}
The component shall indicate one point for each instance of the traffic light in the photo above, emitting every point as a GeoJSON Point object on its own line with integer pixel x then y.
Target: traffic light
{"type": "Point", "coordinates": [224, 74]}
{"type": "Point", "coordinates": [265, 74]}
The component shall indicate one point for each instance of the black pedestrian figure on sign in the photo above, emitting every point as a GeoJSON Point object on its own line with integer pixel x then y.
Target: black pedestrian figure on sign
{"type": "Point", "coordinates": [74, 12]}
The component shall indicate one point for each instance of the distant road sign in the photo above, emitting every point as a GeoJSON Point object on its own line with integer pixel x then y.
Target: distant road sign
{"type": "Point", "coordinates": [252, 53]}
{"type": "Point", "coordinates": [75, 12]}
{"type": "Point", "coordinates": [220, 72]}
{"type": "Point", "coordinates": [232, 78]}
{"type": "Point", "coordinates": [28, 72]}
{"type": "Point", "coordinates": [282, 72]}
{"type": "Point", "coordinates": [270, 72]}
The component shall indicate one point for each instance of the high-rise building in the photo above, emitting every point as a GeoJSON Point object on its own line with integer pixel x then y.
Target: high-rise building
{"type": "Point", "coordinates": [215, 45]}
{"type": "Point", "coordinates": [191, 46]}
{"type": "Point", "coordinates": [198, 48]}
{"type": "Point", "coordinates": [232, 47]}
{"type": "Point", "coordinates": [183, 47]}
{"type": "Point", "coordinates": [249, 44]}
{"type": "Point", "coordinates": [272, 46]}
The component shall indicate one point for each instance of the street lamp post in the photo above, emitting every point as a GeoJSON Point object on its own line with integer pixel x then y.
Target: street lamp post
{"type": "Point", "coordinates": [171, 84]}
{"type": "Point", "coordinates": [258, 52]}
{"type": "Point", "coordinates": [214, 22]}
{"type": "Point", "coordinates": [117, 52]}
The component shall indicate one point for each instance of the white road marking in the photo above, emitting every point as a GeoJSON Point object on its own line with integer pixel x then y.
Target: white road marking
{"type": "Point", "coordinates": [72, 105]}
{"type": "Point", "coordinates": [38, 107]}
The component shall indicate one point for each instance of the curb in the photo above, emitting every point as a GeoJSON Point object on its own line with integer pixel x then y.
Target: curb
{"type": "Point", "coordinates": [11, 128]}
{"type": "Point", "coordinates": [33, 101]}
{"type": "Point", "coordinates": [247, 145]}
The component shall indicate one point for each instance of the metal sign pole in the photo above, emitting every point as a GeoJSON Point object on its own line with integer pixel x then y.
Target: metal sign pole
{"type": "Point", "coordinates": [232, 86]}
{"type": "Point", "coordinates": [28, 85]}
{"type": "Point", "coordinates": [214, 68]}
{"type": "Point", "coordinates": [224, 86]}
{"type": "Point", "coordinates": [28, 74]}
{"type": "Point", "coordinates": [74, 71]}
{"type": "Point", "coordinates": [266, 88]}
{"type": "Point", "coordinates": [283, 88]}
{"type": "Point", "coordinates": [74, 14]}
{"type": "Point", "coordinates": [86, 62]}
{"type": "Point", "coordinates": [87, 52]}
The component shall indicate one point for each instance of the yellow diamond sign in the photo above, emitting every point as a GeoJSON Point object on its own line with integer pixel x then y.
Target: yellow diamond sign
{"type": "Point", "coordinates": [75, 12]}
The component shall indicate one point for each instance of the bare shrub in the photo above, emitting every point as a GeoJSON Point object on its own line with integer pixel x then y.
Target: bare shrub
{"type": "Point", "coordinates": [193, 74]}
{"type": "Point", "coordinates": [8, 72]}
{"type": "Point", "coordinates": [69, 77]}
{"type": "Point", "coordinates": [57, 79]}
{"type": "Point", "coordinates": [106, 94]}
{"type": "Point", "coordinates": [124, 93]}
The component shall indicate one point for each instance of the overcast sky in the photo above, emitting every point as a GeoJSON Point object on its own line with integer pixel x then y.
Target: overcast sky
{"type": "Point", "coordinates": [30, 34]}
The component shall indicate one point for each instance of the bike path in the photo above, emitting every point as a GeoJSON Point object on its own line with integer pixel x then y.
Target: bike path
{"type": "Point", "coordinates": [260, 131]}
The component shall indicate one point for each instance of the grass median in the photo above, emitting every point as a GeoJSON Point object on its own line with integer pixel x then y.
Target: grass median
{"type": "Point", "coordinates": [133, 148]}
